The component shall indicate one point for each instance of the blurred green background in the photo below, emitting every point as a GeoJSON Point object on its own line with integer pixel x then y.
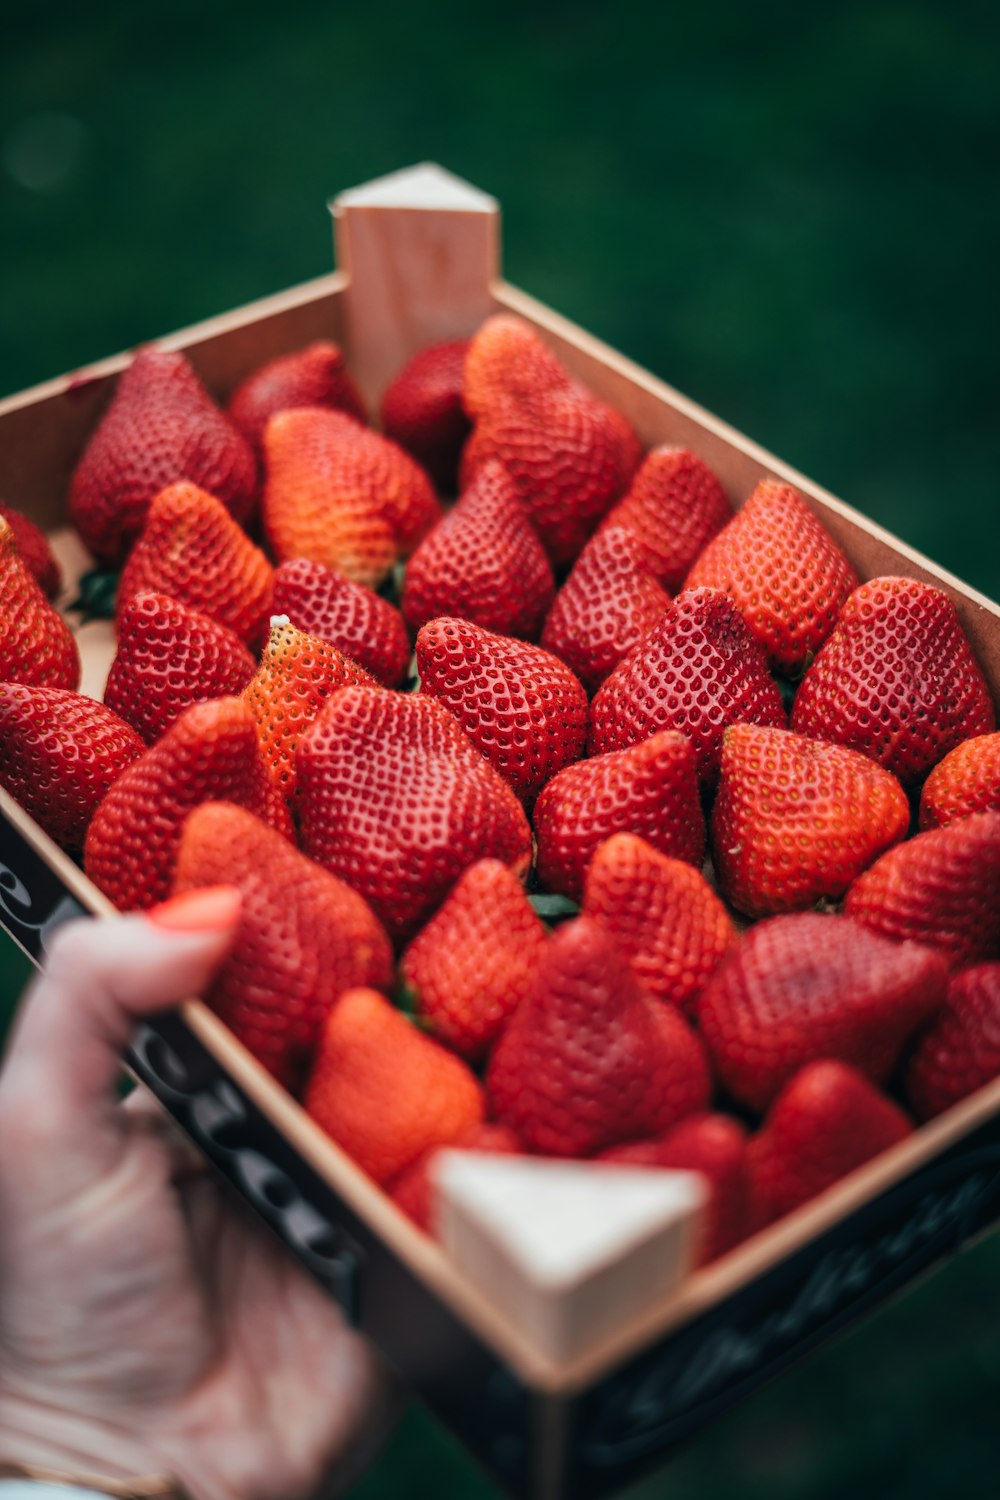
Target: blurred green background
{"type": "Point", "coordinates": [792, 214]}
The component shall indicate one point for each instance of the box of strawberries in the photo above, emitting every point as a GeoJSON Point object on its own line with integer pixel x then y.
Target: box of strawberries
{"type": "Point", "coordinates": [615, 1009]}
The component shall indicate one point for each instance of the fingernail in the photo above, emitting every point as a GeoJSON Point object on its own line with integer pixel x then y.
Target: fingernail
{"type": "Point", "coordinates": [209, 910]}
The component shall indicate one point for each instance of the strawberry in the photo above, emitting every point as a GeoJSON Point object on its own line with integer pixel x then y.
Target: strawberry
{"type": "Point", "coordinates": [59, 754]}
{"type": "Point", "coordinates": [36, 554]}
{"type": "Point", "coordinates": [662, 913]}
{"type": "Point", "coordinates": [587, 1060]}
{"type": "Point", "coordinates": [395, 799]}
{"type": "Point", "coordinates": [193, 550]}
{"type": "Point", "coordinates": [476, 959]}
{"type": "Point", "coordinates": [650, 789]}
{"type": "Point", "coordinates": [697, 671]}
{"type": "Point", "coordinates": [796, 820]}
{"type": "Point", "coordinates": [483, 561]}
{"type": "Point", "coordinates": [959, 1051]}
{"type": "Point", "coordinates": [827, 1120]}
{"type": "Point", "coordinates": [162, 426]}
{"type": "Point", "coordinates": [413, 1190]}
{"type": "Point", "coordinates": [606, 606]}
{"type": "Point", "coordinates": [896, 679]}
{"type": "Point", "coordinates": [383, 1090]}
{"type": "Point", "coordinates": [209, 754]}
{"type": "Point", "coordinates": [806, 986]}
{"type": "Point", "coordinates": [715, 1146]}
{"type": "Point", "coordinates": [303, 937]}
{"type": "Point", "coordinates": [941, 888]}
{"type": "Point", "coordinates": [569, 454]}
{"type": "Point", "coordinates": [966, 781]}
{"type": "Point", "coordinates": [313, 376]}
{"type": "Point", "coordinates": [37, 647]}
{"type": "Point", "coordinates": [422, 410]}
{"type": "Point", "coordinates": [674, 506]}
{"type": "Point", "coordinates": [359, 622]}
{"type": "Point", "coordinates": [342, 495]}
{"type": "Point", "coordinates": [519, 705]}
{"type": "Point", "coordinates": [784, 572]}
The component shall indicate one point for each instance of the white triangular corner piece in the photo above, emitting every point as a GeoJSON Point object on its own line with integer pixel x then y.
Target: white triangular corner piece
{"type": "Point", "coordinates": [569, 1252]}
{"type": "Point", "coordinates": [423, 186]}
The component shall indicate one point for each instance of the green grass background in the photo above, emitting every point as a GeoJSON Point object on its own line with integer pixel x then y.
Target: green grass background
{"type": "Point", "coordinates": [791, 213]}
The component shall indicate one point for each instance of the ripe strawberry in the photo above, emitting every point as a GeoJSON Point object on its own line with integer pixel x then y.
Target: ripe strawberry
{"type": "Point", "coordinates": [896, 679]}
{"type": "Point", "coordinates": [827, 1120]}
{"type": "Point", "coordinates": [650, 789]}
{"type": "Point", "coordinates": [385, 1092]}
{"type": "Point", "coordinates": [476, 959]}
{"type": "Point", "coordinates": [303, 938]}
{"type": "Point", "coordinates": [674, 507]}
{"type": "Point", "coordinates": [59, 754]}
{"type": "Point", "coordinates": [697, 671]}
{"type": "Point", "coordinates": [413, 1190]}
{"type": "Point", "coordinates": [361, 623]}
{"type": "Point", "coordinates": [395, 799]}
{"type": "Point", "coordinates": [162, 426]}
{"type": "Point", "coordinates": [519, 705]}
{"type": "Point", "coordinates": [941, 888]}
{"type": "Point", "coordinates": [662, 913]}
{"type": "Point", "coordinates": [607, 605]}
{"type": "Point", "coordinates": [342, 495]}
{"type": "Point", "coordinates": [508, 360]}
{"type": "Point", "coordinates": [795, 820]}
{"type": "Point", "coordinates": [587, 1060]}
{"type": "Point", "coordinates": [36, 554]}
{"type": "Point", "coordinates": [966, 781]}
{"type": "Point", "coordinates": [422, 410]}
{"type": "Point", "coordinates": [483, 561]}
{"type": "Point", "coordinates": [313, 376]}
{"type": "Point", "coordinates": [806, 986]}
{"type": "Point", "coordinates": [210, 754]}
{"type": "Point", "coordinates": [37, 647]}
{"type": "Point", "coordinates": [194, 551]}
{"type": "Point", "coordinates": [959, 1051]}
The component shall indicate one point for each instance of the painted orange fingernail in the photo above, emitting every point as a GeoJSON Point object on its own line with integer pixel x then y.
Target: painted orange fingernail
{"type": "Point", "coordinates": [208, 910]}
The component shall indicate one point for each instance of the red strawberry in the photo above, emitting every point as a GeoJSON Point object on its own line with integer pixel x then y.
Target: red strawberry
{"type": "Point", "coordinates": [361, 623]}
{"type": "Point", "coordinates": [304, 936]}
{"type": "Point", "coordinates": [162, 426]}
{"type": "Point", "coordinates": [784, 572]}
{"type": "Point", "coordinates": [807, 986]}
{"type": "Point", "coordinates": [697, 671]}
{"type": "Point", "coordinates": [674, 507]}
{"type": "Point", "coordinates": [715, 1146]}
{"type": "Point", "coordinates": [313, 376]}
{"type": "Point", "coordinates": [966, 781]}
{"type": "Point", "coordinates": [507, 360]}
{"type": "Point", "coordinates": [395, 799]}
{"type": "Point", "coordinates": [37, 647]}
{"type": "Point", "coordinates": [825, 1122]}
{"type": "Point", "coordinates": [651, 789]}
{"type": "Point", "coordinates": [897, 680]}
{"type": "Point", "coordinates": [960, 1050]}
{"type": "Point", "coordinates": [476, 959]}
{"type": "Point", "coordinates": [194, 551]}
{"type": "Point", "coordinates": [210, 754]}
{"type": "Point", "coordinates": [606, 606]}
{"type": "Point", "coordinates": [422, 410]}
{"type": "Point", "coordinates": [941, 888]}
{"type": "Point", "coordinates": [587, 1060]}
{"type": "Point", "coordinates": [413, 1190]}
{"type": "Point", "coordinates": [59, 754]}
{"type": "Point", "coordinates": [662, 913]}
{"type": "Point", "coordinates": [385, 1092]}
{"type": "Point", "coordinates": [519, 705]}
{"type": "Point", "coordinates": [483, 562]}
{"type": "Point", "coordinates": [36, 554]}
{"type": "Point", "coordinates": [796, 820]}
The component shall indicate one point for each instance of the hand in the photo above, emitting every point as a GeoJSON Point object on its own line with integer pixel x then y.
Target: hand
{"type": "Point", "coordinates": [146, 1324]}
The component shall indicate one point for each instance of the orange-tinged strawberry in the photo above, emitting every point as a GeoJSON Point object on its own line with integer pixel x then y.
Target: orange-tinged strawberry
{"type": "Point", "coordinates": [650, 789]}
{"type": "Point", "coordinates": [37, 647]}
{"type": "Point", "coordinates": [784, 572]}
{"type": "Point", "coordinates": [959, 1051]}
{"type": "Point", "coordinates": [36, 554]}
{"type": "Point", "coordinates": [508, 359]}
{"type": "Point", "coordinates": [413, 1190]}
{"type": "Point", "coordinates": [383, 1090]}
{"type": "Point", "coordinates": [422, 410]}
{"type": "Point", "coordinates": [209, 754]}
{"type": "Point", "coordinates": [966, 781]}
{"type": "Point", "coordinates": [314, 376]}
{"type": "Point", "coordinates": [193, 550]}
{"type": "Point", "coordinates": [355, 619]}
{"type": "Point", "coordinates": [674, 506]}
{"type": "Point", "coordinates": [476, 959]}
{"type": "Point", "coordinates": [161, 427]}
{"type": "Point", "coordinates": [796, 820]}
{"type": "Point", "coordinates": [303, 936]}
{"type": "Point", "coordinates": [662, 913]}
